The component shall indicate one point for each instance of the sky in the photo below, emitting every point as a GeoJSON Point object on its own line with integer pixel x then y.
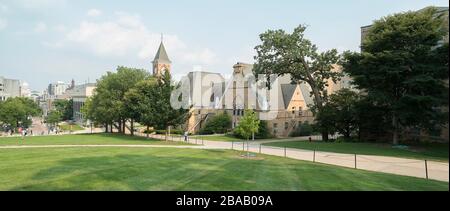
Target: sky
{"type": "Point", "coordinates": [44, 41]}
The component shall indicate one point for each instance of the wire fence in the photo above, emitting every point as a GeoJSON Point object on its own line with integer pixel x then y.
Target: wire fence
{"type": "Point", "coordinates": [400, 166]}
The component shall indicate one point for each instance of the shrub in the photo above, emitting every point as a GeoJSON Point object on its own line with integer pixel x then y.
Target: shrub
{"type": "Point", "coordinates": [263, 132]}
{"type": "Point", "coordinates": [219, 124]}
{"type": "Point", "coordinates": [304, 129]}
{"type": "Point", "coordinates": [173, 131]}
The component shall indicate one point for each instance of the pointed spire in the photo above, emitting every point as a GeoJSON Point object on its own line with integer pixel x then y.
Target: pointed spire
{"type": "Point", "coordinates": [161, 55]}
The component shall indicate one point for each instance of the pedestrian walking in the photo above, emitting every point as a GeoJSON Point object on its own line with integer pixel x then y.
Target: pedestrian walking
{"type": "Point", "coordinates": [21, 132]}
{"type": "Point", "coordinates": [185, 136]}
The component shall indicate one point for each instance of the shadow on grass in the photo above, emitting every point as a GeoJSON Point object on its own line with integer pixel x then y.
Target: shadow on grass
{"type": "Point", "coordinates": [209, 171]}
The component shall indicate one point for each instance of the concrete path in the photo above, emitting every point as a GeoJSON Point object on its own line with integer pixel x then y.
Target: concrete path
{"type": "Point", "coordinates": [400, 166]}
{"type": "Point", "coordinates": [393, 165]}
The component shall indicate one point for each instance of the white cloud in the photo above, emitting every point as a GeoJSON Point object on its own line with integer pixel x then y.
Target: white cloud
{"type": "Point", "coordinates": [3, 23]}
{"type": "Point", "coordinates": [205, 56]}
{"type": "Point", "coordinates": [94, 13]}
{"type": "Point", "coordinates": [40, 27]}
{"type": "Point", "coordinates": [126, 37]}
{"type": "Point", "coordinates": [123, 36]}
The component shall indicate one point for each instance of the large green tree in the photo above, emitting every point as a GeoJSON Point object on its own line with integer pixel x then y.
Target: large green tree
{"type": "Point", "coordinates": [150, 104]}
{"type": "Point", "coordinates": [139, 100]}
{"type": "Point", "coordinates": [404, 68]}
{"type": "Point", "coordinates": [108, 105]}
{"type": "Point", "coordinates": [54, 118]}
{"type": "Point", "coordinates": [17, 112]}
{"type": "Point", "coordinates": [344, 113]}
{"type": "Point", "coordinates": [65, 108]}
{"type": "Point", "coordinates": [282, 53]}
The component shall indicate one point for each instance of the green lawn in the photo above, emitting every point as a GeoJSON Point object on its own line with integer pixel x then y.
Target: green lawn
{"type": "Point", "coordinates": [74, 128]}
{"type": "Point", "coordinates": [217, 138]}
{"type": "Point", "coordinates": [184, 170]}
{"type": "Point", "coordinates": [95, 139]}
{"type": "Point", "coordinates": [430, 151]}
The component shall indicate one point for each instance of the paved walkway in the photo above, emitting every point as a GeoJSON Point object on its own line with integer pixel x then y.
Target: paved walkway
{"type": "Point", "coordinates": [393, 165]}
{"type": "Point", "coordinates": [400, 166]}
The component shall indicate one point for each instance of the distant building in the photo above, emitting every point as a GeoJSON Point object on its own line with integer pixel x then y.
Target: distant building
{"type": "Point", "coordinates": [9, 88]}
{"type": "Point", "coordinates": [25, 90]}
{"type": "Point", "coordinates": [79, 94]}
{"type": "Point", "coordinates": [161, 63]}
{"type": "Point", "coordinates": [35, 95]}
{"type": "Point", "coordinates": [58, 88]}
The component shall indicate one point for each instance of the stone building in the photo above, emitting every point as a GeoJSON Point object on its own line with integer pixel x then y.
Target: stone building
{"type": "Point", "coordinates": [79, 94]}
{"type": "Point", "coordinates": [9, 88]}
{"type": "Point", "coordinates": [284, 107]}
{"type": "Point", "coordinates": [161, 63]}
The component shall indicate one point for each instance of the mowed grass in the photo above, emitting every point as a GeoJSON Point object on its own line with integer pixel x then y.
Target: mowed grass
{"type": "Point", "coordinates": [66, 127]}
{"type": "Point", "coordinates": [218, 138]}
{"type": "Point", "coordinates": [438, 152]}
{"type": "Point", "coordinates": [184, 170]}
{"type": "Point", "coordinates": [88, 139]}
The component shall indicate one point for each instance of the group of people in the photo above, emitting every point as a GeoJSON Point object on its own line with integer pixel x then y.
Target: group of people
{"type": "Point", "coordinates": [25, 131]}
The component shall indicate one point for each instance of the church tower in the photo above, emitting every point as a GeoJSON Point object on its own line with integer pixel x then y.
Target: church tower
{"type": "Point", "coordinates": [161, 63]}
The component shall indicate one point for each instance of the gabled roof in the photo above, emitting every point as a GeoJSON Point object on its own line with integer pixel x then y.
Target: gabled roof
{"type": "Point", "coordinates": [288, 92]}
{"type": "Point", "coordinates": [161, 55]}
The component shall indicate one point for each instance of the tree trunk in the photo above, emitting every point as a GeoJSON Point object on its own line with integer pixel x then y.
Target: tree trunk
{"type": "Point", "coordinates": [106, 128]}
{"type": "Point", "coordinates": [148, 131]}
{"type": "Point", "coordinates": [347, 133]}
{"type": "Point", "coordinates": [395, 130]}
{"type": "Point", "coordinates": [124, 126]}
{"type": "Point", "coordinates": [318, 101]}
{"type": "Point", "coordinates": [325, 136]}
{"type": "Point", "coordinates": [119, 126]}
{"type": "Point", "coordinates": [167, 132]}
{"type": "Point", "coordinates": [132, 127]}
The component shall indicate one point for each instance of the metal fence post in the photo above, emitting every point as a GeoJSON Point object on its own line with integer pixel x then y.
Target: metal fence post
{"type": "Point", "coordinates": [314, 156]}
{"type": "Point", "coordinates": [426, 168]}
{"type": "Point", "coordinates": [259, 148]}
{"type": "Point", "coordinates": [285, 152]}
{"type": "Point", "coordinates": [232, 145]}
{"type": "Point", "coordinates": [355, 163]}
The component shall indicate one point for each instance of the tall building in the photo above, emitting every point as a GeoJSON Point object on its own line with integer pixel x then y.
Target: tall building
{"type": "Point", "coordinates": [9, 88]}
{"type": "Point", "coordinates": [161, 63]}
{"type": "Point", "coordinates": [58, 88]}
{"type": "Point", "coordinates": [79, 94]}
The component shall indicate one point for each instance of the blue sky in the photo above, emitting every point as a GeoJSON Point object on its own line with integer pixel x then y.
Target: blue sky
{"type": "Point", "coordinates": [42, 41]}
